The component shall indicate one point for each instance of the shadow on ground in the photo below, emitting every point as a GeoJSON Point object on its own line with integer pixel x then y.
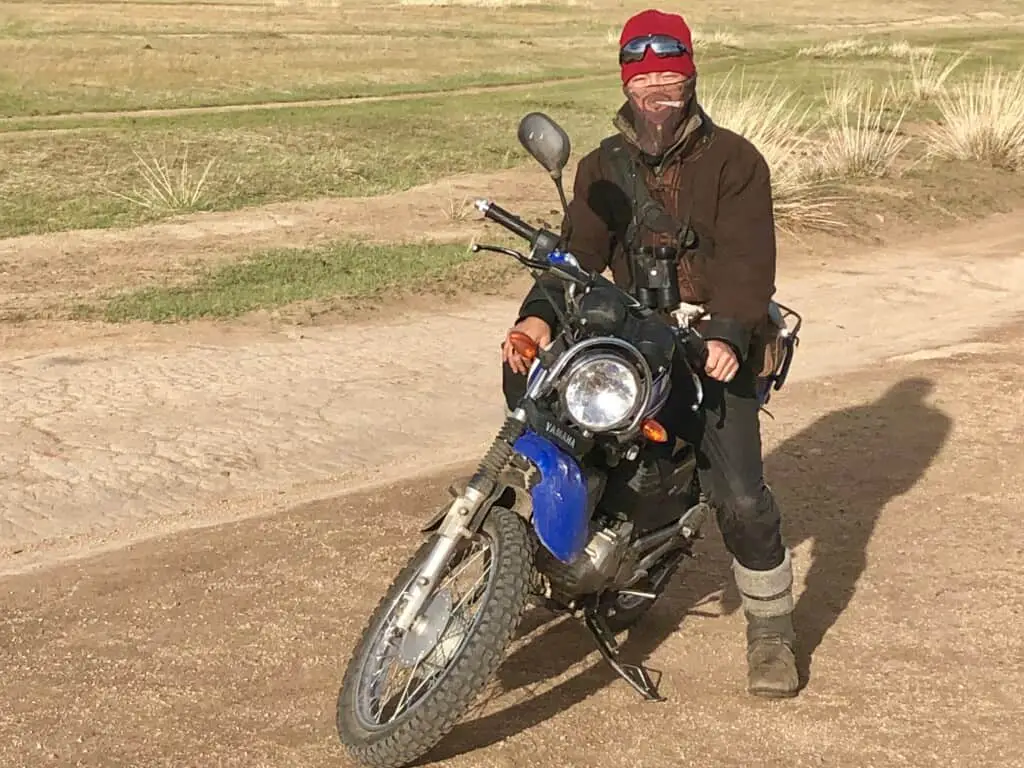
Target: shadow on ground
{"type": "Point", "coordinates": [833, 479]}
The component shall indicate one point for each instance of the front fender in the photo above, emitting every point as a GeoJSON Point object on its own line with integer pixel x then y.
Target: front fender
{"type": "Point", "coordinates": [560, 511]}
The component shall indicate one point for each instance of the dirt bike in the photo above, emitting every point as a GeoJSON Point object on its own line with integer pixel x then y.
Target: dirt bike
{"type": "Point", "coordinates": [571, 506]}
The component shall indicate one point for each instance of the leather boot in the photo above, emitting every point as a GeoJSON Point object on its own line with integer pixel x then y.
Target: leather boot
{"type": "Point", "coordinates": [768, 605]}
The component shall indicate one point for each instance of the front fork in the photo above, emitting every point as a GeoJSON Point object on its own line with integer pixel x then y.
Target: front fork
{"type": "Point", "coordinates": [463, 518]}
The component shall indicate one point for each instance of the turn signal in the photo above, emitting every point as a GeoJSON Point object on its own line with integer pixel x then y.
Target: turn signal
{"type": "Point", "coordinates": [654, 432]}
{"type": "Point", "coordinates": [523, 344]}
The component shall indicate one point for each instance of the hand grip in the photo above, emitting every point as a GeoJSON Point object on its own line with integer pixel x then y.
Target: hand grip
{"type": "Point", "coordinates": [510, 222]}
{"type": "Point", "coordinates": [697, 349]}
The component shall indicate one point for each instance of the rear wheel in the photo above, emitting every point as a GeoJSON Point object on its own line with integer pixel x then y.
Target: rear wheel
{"type": "Point", "coordinates": [622, 611]}
{"type": "Point", "coordinates": [403, 692]}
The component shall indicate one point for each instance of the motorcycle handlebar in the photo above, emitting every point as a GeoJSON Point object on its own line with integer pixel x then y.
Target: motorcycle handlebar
{"type": "Point", "coordinates": [695, 344]}
{"type": "Point", "coordinates": [512, 223]}
{"type": "Point", "coordinates": [697, 348]}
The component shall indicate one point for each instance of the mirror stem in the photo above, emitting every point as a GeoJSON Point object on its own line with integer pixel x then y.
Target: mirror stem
{"type": "Point", "coordinates": [557, 177]}
{"type": "Point", "coordinates": [561, 192]}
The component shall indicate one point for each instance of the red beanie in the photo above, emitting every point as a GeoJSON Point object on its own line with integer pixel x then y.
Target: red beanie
{"type": "Point", "coordinates": [657, 23]}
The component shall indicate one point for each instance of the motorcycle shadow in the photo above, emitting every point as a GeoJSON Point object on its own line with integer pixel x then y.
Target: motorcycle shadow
{"type": "Point", "coordinates": [561, 642]}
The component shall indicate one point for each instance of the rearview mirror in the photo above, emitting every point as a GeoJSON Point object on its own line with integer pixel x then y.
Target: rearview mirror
{"type": "Point", "coordinates": [543, 138]}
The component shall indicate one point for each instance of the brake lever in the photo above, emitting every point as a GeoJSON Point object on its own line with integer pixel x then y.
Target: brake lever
{"type": "Point", "coordinates": [695, 348]}
{"type": "Point", "coordinates": [526, 261]}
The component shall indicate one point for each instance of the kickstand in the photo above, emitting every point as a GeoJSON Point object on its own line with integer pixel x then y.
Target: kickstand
{"type": "Point", "coordinates": [636, 675]}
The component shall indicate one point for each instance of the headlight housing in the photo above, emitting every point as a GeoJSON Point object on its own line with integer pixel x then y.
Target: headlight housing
{"type": "Point", "coordinates": [602, 393]}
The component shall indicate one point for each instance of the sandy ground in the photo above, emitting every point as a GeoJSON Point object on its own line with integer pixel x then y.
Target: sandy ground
{"type": "Point", "coordinates": [116, 438]}
{"type": "Point", "coordinates": [199, 518]}
{"type": "Point", "coordinates": [900, 484]}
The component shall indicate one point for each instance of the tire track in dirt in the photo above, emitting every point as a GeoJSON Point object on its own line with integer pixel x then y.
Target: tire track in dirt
{"type": "Point", "coordinates": [979, 18]}
{"type": "Point", "coordinates": [102, 116]}
{"type": "Point", "coordinates": [899, 488]}
{"type": "Point", "coordinates": [9, 125]}
{"type": "Point", "coordinates": [40, 271]}
{"type": "Point", "coordinates": [104, 443]}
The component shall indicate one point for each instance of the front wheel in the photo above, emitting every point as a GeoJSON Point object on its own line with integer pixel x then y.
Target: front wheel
{"type": "Point", "coordinates": [403, 692]}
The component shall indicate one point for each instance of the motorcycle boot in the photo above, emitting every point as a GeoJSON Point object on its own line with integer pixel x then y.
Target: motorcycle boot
{"type": "Point", "coordinates": [768, 605]}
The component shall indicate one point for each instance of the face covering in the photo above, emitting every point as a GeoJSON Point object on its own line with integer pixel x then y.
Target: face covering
{"type": "Point", "coordinates": [658, 112]}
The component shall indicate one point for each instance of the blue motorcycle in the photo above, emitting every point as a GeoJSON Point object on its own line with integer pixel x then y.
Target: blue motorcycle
{"type": "Point", "coordinates": [584, 502]}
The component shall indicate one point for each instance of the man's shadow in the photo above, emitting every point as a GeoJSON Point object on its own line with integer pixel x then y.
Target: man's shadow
{"type": "Point", "coordinates": [833, 480]}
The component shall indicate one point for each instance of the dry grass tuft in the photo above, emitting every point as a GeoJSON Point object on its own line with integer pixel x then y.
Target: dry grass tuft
{"type": "Point", "coordinates": [928, 76]}
{"type": "Point", "coordinates": [455, 209]}
{"type": "Point", "coordinates": [862, 147]}
{"type": "Point", "coordinates": [983, 120]}
{"type": "Point", "coordinates": [779, 129]}
{"type": "Point", "coordinates": [860, 47]}
{"type": "Point", "coordinates": [165, 188]}
{"type": "Point", "coordinates": [717, 37]}
{"type": "Point", "coordinates": [843, 93]}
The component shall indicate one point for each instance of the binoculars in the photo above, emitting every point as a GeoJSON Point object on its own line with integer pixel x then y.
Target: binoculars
{"type": "Point", "coordinates": [657, 277]}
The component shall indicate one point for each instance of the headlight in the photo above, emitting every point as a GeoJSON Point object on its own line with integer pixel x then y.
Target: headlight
{"type": "Point", "coordinates": [602, 393]}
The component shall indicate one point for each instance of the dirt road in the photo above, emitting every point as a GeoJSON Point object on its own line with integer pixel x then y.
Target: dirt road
{"type": "Point", "coordinates": [900, 483]}
{"type": "Point", "coordinates": [105, 442]}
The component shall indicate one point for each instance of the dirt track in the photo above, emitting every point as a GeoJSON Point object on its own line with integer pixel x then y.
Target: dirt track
{"type": "Point", "coordinates": [85, 117]}
{"type": "Point", "coordinates": [111, 439]}
{"type": "Point", "coordinates": [223, 647]}
{"type": "Point", "coordinates": [40, 270]}
{"type": "Point", "coordinates": [895, 452]}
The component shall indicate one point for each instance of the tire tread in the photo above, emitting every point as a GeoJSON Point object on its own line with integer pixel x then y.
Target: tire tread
{"type": "Point", "coordinates": [477, 663]}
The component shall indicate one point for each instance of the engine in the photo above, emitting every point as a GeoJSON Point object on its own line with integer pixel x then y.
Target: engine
{"type": "Point", "coordinates": [649, 490]}
{"type": "Point", "coordinates": [598, 565]}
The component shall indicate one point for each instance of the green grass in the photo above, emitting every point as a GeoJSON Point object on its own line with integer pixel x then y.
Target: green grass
{"type": "Point", "coordinates": [62, 57]}
{"type": "Point", "coordinates": [67, 180]}
{"type": "Point", "coordinates": [76, 177]}
{"type": "Point", "coordinates": [347, 274]}
{"type": "Point", "coordinates": [66, 59]}
{"type": "Point", "coordinates": [342, 271]}
{"type": "Point", "coordinates": [58, 181]}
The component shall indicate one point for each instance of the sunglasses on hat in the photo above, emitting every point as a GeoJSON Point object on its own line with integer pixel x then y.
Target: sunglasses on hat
{"type": "Point", "coordinates": [663, 46]}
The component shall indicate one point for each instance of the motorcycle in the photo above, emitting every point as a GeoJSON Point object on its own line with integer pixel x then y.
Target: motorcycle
{"type": "Point", "coordinates": [581, 504]}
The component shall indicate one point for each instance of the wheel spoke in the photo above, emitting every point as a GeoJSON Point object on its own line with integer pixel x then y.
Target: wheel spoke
{"type": "Point", "coordinates": [462, 567]}
{"type": "Point", "coordinates": [383, 681]}
{"type": "Point", "coordinates": [405, 691]}
{"type": "Point", "coordinates": [456, 609]}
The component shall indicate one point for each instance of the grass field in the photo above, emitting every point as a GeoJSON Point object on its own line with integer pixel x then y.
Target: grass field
{"type": "Point", "coordinates": [284, 276]}
{"type": "Point", "coordinates": [120, 114]}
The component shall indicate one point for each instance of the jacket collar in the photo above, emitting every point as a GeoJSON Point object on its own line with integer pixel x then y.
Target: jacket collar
{"type": "Point", "coordinates": [689, 135]}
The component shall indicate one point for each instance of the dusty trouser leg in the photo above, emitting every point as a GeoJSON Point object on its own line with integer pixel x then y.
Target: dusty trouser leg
{"type": "Point", "coordinates": [732, 472]}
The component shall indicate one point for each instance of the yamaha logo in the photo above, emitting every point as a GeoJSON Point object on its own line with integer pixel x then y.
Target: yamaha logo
{"type": "Point", "coordinates": [561, 434]}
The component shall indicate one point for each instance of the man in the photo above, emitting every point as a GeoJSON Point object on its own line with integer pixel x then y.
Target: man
{"type": "Point", "coordinates": [714, 182]}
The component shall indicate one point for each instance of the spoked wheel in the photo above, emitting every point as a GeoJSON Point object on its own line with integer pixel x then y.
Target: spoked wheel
{"type": "Point", "coordinates": [402, 692]}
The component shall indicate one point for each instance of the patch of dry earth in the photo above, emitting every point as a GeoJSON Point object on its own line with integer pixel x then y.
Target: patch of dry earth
{"type": "Point", "coordinates": [901, 493]}
{"type": "Point", "coordinates": [106, 442]}
{"type": "Point", "coordinates": [41, 271]}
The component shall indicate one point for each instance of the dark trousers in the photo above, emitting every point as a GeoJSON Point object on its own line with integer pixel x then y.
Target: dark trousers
{"type": "Point", "coordinates": [727, 438]}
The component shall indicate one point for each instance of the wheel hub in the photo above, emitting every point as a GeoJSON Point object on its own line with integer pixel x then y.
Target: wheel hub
{"type": "Point", "coordinates": [426, 630]}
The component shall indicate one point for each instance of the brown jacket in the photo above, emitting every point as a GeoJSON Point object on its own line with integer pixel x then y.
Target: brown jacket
{"type": "Point", "coordinates": [721, 182]}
